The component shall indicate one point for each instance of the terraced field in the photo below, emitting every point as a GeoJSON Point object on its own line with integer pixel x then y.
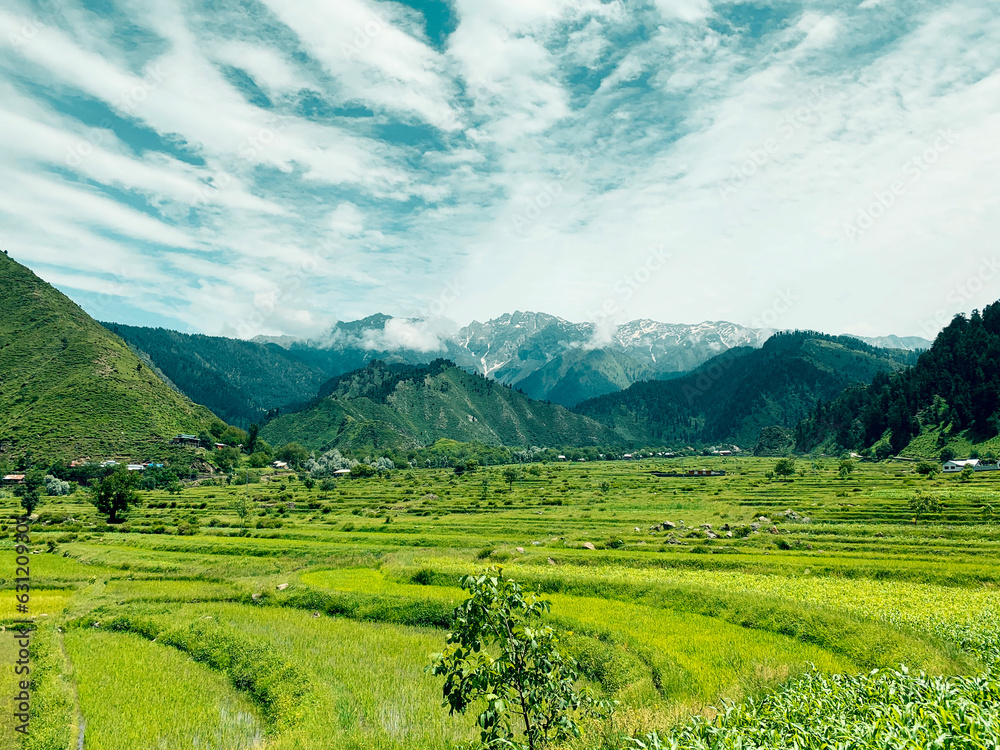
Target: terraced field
{"type": "Point", "coordinates": [712, 609]}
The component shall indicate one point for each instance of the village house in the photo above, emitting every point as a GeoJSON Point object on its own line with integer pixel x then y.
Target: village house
{"type": "Point", "coordinates": [953, 467]}
{"type": "Point", "coordinates": [13, 479]}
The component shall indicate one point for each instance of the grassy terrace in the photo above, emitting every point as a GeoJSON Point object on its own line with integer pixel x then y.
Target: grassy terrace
{"type": "Point", "coordinates": [671, 623]}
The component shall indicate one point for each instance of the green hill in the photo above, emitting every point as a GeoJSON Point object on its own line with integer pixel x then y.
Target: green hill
{"type": "Point", "coordinates": [580, 374]}
{"type": "Point", "coordinates": [387, 407]}
{"type": "Point", "coordinates": [736, 394]}
{"type": "Point", "coordinates": [69, 388]}
{"type": "Point", "coordinates": [238, 380]}
{"type": "Point", "coordinates": [949, 398]}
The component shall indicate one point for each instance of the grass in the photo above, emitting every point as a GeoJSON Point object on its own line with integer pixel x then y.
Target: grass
{"type": "Point", "coordinates": [191, 705]}
{"type": "Point", "coordinates": [669, 622]}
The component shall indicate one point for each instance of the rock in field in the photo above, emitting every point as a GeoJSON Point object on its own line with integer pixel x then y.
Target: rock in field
{"type": "Point", "coordinates": [588, 545]}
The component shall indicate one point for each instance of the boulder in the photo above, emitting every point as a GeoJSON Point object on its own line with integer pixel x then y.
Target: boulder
{"type": "Point", "coordinates": [729, 535]}
{"type": "Point", "coordinates": [536, 544]}
{"type": "Point", "coordinates": [707, 526]}
{"type": "Point", "coordinates": [551, 561]}
{"type": "Point", "coordinates": [521, 550]}
{"type": "Point", "coordinates": [764, 519]}
{"type": "Point", "coordinates": [282, 586]}
{"type": "Point", "coordinates": [668, 525]}
{"type": "Point", "coordinates": [637, 528]}
{"type": "Point", "coordinates": [588, 545]}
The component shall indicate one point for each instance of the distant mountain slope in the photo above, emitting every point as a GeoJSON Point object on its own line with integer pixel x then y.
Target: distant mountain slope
{"type": "Point", "coordinates": [549, 358]}
{"type": "Point", "coordinates": [238, 380]}
{"type": "Point", "coordinates": [733, 396]}
{"type": "Point", "coordinates": [954, 387]}
{"type": "Point", "coordinates": [913, 343]}
{"type": "Point", "coordinates": [395, 406]}
{"type": "Point", "coordinates": [70, 388]}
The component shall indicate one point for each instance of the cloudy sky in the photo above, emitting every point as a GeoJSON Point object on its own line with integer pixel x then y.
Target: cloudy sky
{"type": "Point", "coordinates": [273, 166]}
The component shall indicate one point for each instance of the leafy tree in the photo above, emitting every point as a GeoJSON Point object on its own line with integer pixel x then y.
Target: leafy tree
{"type": "Point", "coordinates": [55, 487]}
{"type": "Point", "coordinates": [259, 460]}
{"type": "Point", "coordinates": [30, 490]}
{"type": "Point", "coordinates": [243, 507]}
{"type": "Point", "coordinates": [846, 467]}
{"type": "Point", "coordinates": [966, 474]}
{"type": "Point", "coordinates": [227, 459]}
{"type": "Point", "coordinates": [605, 487]}
{"type": "Point", "coordinates": [511, 475]}
{"type": "Point", "coordinates": [922, 504]}
{"type": "Point", "coordinates": [501, 654]}
{"type": "Point", "coordinates": [251, 444]}
{"type": "Point", "coordinates": [362, 471]}
{"type": "Point", "coordinates": [785, 467]}
{"type": "Point", "coordinates": [293, 453]}
{"type": "Point", "coordinates": [947, 454]}
{"type": "Point", "coordinates": [114, 494]}
{"type": "Point", "coordinates": [926, 468]}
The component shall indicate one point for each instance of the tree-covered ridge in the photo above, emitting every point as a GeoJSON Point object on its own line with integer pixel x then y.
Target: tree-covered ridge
{"type": "Point", "coordinates": [393, 407]}
{"type": "Point", "coordinates": [70, 388]}
{"type": "Point", "coordinates": [954, 385]}
{"type": "Point", "coordinates": [734, 395]}
{"type": "Point", "coordinates": [238, 380]}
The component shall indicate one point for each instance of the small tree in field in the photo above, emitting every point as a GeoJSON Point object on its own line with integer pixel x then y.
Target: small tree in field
{"type": "Point", "coordinates": [500, 652]}
{"type": "Point", "coordinates": [30, 490]}
{"type": "Point", "coordinates": [846, 467]}
{"type": "Point", "coordinates": [966, 474]}
{"type": "Point", "coordinates": [785, 467]}
{"type": "Point", "coordinates": [511, 475]}
{"type": "Point", "coordinates": [114, 494]}
{"type": "Point", "coordinates": [243, 506]}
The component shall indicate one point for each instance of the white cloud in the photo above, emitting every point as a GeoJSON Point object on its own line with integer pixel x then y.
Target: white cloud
{"type": "Point", "coordinates": [525, 186]}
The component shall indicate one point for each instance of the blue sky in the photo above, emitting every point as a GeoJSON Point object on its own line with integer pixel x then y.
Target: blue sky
{"type": "Point", "coordinates": [272, 166]}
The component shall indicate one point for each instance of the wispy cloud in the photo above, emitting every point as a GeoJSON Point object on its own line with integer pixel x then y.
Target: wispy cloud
{"type": "Point", "coordinates": [276, 169]}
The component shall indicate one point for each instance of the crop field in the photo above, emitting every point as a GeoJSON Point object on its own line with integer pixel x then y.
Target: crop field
{"type": "Point", "coordinates": [738, 611]}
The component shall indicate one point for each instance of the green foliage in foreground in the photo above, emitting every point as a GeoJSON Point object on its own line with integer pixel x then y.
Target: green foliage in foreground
{"type": "Point", "coordinates": [528, 687]}
{"type": "Point", "coordinates": [882, 709]}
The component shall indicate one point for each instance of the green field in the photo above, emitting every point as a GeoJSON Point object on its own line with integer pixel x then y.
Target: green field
{"type": "Point", "coordinates": [712, 633]}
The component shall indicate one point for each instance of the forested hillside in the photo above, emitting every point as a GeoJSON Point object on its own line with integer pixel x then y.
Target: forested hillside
{"type": "Point", "coordinates": [398, 406]}
{"type": "Point", "coordinates": [953, 388]}
{"type": "Point", "coordinates": [238, 380]}
{"type": "Point", "coordinates": [70, 388]}
{"type": "Point", "coordinates": [734, 395]}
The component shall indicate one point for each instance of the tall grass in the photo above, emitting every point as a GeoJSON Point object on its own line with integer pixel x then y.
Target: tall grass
{"type": "Point", "coordinates": [137, 694]}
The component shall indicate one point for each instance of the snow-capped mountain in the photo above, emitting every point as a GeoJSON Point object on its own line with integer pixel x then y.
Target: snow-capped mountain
{"type": "Point", "coordinates": [546, 356]}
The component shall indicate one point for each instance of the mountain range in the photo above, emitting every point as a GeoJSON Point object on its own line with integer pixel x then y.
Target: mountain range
{"type": "Point", "coordinates": [70, 386]}
{"type": "Point", "coordinates": [544, 356]}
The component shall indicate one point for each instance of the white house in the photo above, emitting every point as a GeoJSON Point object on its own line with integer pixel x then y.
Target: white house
{"type": "Point", "coordinates": [953, 467]}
